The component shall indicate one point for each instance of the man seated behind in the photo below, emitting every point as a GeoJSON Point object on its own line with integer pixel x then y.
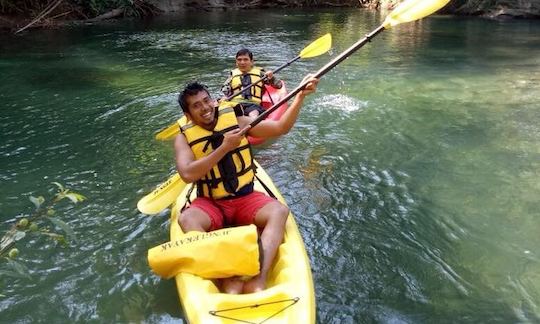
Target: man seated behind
{"type": "Point", "coordinates": [244, 75]}
{"type": "Point", "coordinates": [212, 150]}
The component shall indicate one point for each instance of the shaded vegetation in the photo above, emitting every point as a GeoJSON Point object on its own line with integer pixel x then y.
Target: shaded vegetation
{"type": "Point", "coordinates": [496, 8]}
{"type": "Point", "coordinates": [18, 15]}
{"type": "Point", "coordinates": [82, 9]}
{"type": "Point", "coordinates": [21, 14]}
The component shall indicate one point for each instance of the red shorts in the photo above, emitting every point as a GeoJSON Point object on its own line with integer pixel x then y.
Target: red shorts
{"type": "Point", "coordinates": [236, 211]}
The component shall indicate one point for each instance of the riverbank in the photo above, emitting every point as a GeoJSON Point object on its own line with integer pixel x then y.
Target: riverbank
{"type": "Point", "coordinates": [65, 14]}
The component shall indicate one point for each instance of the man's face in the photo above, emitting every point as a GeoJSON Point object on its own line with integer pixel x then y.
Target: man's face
{"type": "Point", "coordinates": [201, 109]}
{"type": "Point", "coordinates": [244, 63]}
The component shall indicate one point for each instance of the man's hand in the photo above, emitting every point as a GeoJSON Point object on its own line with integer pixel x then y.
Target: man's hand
{"type": "Point", "coordinates": [269, 75]}
{"type": "Point", "coordinates": [232, 139]}
{"type": "Point", "coordinates": [311, 85]}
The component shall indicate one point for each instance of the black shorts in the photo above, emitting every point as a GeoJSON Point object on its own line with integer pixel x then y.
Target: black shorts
{"type": "Point", "coordinates": [249, 107]}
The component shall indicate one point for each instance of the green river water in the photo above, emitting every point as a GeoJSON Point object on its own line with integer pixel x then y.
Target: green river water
{"type": "Point", "coordinates": [413, 171]}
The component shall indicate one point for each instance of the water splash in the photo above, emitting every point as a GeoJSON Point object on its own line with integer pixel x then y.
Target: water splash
{"type": "Point", "coordinates": [340, 102]}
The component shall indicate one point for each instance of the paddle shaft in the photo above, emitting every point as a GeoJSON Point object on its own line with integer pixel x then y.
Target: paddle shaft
{"type": "Point", "coordinates": [322, 71]}
{"type": "Point", "coordinates": [262, 79]}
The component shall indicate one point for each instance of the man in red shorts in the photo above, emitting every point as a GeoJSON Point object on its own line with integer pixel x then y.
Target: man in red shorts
{"type": "Point", "coordinates": [212, 150]}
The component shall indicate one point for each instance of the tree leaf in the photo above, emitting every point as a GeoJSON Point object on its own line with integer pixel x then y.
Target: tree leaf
{"type": "Point", "coordinates": [59, 185]}
{"type": "Point", "coordinates": [59, 196]}
{"type": "Point", "coordinates": [64, 226]}
{"type": "Point", "coordinates": [75, 197]}
{"type": "Point", "coordinates": [37, 201]}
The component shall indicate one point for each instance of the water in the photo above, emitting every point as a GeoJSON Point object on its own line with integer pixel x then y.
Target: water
{"type": "Point", "coordinates": [420, 156]}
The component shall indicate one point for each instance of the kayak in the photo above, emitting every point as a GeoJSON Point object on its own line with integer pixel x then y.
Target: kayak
{"type": "Point", "coordinates": [288, 298]}
{"type": "Point", "coordinates": [270, 97]}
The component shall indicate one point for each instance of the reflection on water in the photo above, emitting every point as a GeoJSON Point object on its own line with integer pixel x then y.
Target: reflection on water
{"type": "Point", "coordinates": [413, 171]}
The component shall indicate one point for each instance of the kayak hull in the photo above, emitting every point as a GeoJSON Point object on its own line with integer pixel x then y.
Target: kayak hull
{"type": "Point", "coordinates": [289, 297]}
{"type": "Point", "coordinates": [271, 96]}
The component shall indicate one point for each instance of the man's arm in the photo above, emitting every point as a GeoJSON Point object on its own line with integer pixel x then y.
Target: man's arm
{"type": "Point", "coordinates": [191, 170]}
{"type": "Point", "coordinates": [271, 79]}
{"type": "Point", "coordinates": [273, 128]}
{"type": "Point", "coordinates": [226, 87]}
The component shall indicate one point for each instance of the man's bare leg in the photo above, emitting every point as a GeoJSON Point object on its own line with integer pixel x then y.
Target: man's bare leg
{"type": "Point", "coordinates": [232, 285]}
{"type": "Point", "coordinates": [194, 219]}
{"type": "Point", "coordinates": [272, 218]}
{"type": "Point", "coordinates": [253, 115]}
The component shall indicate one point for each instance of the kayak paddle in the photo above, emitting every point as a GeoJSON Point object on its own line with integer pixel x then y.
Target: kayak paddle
{"type": "Point", "coordinates": [407, 11]}
{"type": "Point", "coordinates": [320, 46]}
{"type": "Point", "coordinates": [162, 196]}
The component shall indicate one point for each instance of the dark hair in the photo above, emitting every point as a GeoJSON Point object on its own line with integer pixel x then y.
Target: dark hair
{"type": "Point", "coordinates": [190, 89]}
{"type": "Point", "coordinates": [245, 51]}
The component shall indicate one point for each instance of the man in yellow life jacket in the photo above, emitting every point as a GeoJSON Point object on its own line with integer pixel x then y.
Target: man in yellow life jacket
{"type": "Point", "coordinates": [244, 75]}
{"type": "Point", "coordinates": [212, 150]}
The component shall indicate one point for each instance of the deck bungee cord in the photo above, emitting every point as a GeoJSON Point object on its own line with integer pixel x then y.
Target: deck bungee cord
{"type": "Point", "coordinates": [292, 301]}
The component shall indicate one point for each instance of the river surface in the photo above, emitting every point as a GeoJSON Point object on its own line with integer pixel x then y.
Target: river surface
{"type": "Point", "coordinates": [413, 171]}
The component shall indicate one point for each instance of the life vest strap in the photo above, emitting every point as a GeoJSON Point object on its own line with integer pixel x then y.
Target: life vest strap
{"type": "Point", "coordinates": [218, 180]}
{"type": "Point", "coordinates": [266, 188]}
{"type": "Point", "coordinates": [209, 138]}
{"type": "Point", "coordinates": [245, 190]}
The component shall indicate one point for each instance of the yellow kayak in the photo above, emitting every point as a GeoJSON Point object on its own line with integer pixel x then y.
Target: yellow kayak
{"type": "Point", "coordinates": [289, 297]}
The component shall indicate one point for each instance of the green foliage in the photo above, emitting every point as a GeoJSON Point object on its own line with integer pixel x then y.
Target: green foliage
{"type": "Point", "coordinates": [132, 8]}
{"type": "Point", "coordinates": [84, 8]}
{"type": "Point", "coordinates": [40, 221]}
{"type": "Point", "coordinates": [21, 6]}
{"type": "Point", "coordinates": [97, 7]}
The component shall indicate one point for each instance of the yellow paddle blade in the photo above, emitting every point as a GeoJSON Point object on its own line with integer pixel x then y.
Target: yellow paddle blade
{"type": "Point", "coordinates": [168, 133]}
{"type": "Point", "coordinates": [411, 10]}
{"type": "Point", "coordinates": [162, 196]}
{"type": "Point", "coordinates": [320, 46]}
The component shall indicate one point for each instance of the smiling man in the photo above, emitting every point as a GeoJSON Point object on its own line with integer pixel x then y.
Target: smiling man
{"type": "Point", "coordinates": [244, 75]}
{"type": "Point", "coordinates": [212, 150]}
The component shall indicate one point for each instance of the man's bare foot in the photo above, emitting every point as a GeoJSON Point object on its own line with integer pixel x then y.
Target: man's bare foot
{"type": "Point", "coordinates": [232, 285]}
{"type": "Point", "coordinates": [255, 284]}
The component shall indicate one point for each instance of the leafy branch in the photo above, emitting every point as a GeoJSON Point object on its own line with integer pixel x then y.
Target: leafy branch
{"type": "Point", "coordinates": [38, 222]}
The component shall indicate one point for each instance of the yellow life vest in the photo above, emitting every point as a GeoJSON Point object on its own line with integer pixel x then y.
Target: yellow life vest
{"type": "Point", "coordinates": [235, 170]}
{"type": "Point", "coordinates": [255, 93]}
